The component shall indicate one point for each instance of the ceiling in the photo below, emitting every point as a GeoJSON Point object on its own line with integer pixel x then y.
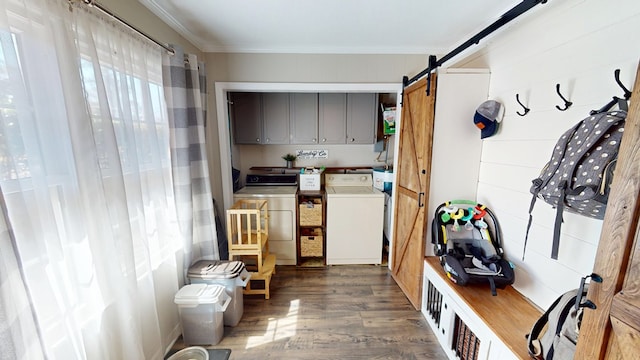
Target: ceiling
{"type": "Point", "coordinates": [328, 26]}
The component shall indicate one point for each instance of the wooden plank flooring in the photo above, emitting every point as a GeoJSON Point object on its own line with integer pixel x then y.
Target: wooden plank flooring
{"type": "Point", "coordinates": [337, 312]}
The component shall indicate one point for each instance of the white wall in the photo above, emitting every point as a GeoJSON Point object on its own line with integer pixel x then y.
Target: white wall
{"type": "Point", "coordinates": [457, 147]}
{"type": "Point", "coordinates": [578, 44]}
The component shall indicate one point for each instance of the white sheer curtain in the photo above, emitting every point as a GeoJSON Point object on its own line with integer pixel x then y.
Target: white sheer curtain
{"type": "Point", "coordinates": [85, 174]}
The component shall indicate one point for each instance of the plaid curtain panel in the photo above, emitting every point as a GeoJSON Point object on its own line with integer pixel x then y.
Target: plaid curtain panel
{"type": "Point", "coordinates": [185, 93]}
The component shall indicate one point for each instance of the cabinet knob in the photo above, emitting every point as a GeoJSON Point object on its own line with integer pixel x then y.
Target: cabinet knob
{"type": "Point", "coordinates": [324, 140]}
{"type": "Point", "coordinates": [267, 140]}
{"type": "Point", "coordinates": [257, 139]}
{"type": "Point", "coordinates": [314, 140]}
{"type": "Point", "coordinates": [352, 139]}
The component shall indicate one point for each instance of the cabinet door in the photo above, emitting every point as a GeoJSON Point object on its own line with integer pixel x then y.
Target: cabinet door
{"type": "Point", "coordinates": [245, 114]}
{"type": "Point", "coordinates": [304, 118]}
{"type": "Point", "coordinates": [332, 118]}
{"type": "Point", "coordinates": [275, 118]}
{"type": "Point", "coordinates": [361, 118]}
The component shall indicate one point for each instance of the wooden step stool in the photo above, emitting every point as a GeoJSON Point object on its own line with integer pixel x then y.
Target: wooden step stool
{"type": "Point", "coordinates": [248, 238]}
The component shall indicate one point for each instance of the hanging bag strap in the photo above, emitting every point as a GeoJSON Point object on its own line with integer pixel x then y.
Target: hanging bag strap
{"type": "Point", "coordinates": [558, 221]}
{"type": "Point", "coordinates": [537, 183]}
{"type": "Point", "coordinates": [492, 283]}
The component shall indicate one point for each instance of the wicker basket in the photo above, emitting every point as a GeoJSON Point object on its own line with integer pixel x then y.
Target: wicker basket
{"type": "Point", "coordinates": [311, 241]}
{"type": "Point", "coordinates": [311, 213]}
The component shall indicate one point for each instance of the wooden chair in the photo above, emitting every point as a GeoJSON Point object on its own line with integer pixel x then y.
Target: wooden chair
{"type": "Point", "coordinates": [248, 238]}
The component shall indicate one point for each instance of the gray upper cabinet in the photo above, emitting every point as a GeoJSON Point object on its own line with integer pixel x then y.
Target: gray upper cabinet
{"type": "Point", "coordinates": [304, 118]}
{"type": "Point", "coordinates": [275, 118]}
{"type": "Point", "coordinates": [245, 111]}
{"type": "Point", "coordinates": [332, 118]}
{"type": "Point", "coordinates": [361, 118]}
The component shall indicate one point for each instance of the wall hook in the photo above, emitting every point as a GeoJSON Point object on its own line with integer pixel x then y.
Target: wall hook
{"type": "Point", "coordinates": [567, 103]}
{"type": "Point", "coordinates": [627, 93]}
{"type": "Point", "coordinates": [526, 109]}
{"type": "Point", "coordinates": [615, 100]}
{"type": "Point", "coordinates": [587, 303]}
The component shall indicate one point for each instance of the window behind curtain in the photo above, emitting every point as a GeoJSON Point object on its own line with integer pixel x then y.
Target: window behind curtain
{"type": "Point", "coordinates": [85, 171]}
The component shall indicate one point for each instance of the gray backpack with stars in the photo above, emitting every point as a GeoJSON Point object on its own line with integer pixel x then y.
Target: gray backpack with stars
{"type": "Point", "coordinates": [578, 176]}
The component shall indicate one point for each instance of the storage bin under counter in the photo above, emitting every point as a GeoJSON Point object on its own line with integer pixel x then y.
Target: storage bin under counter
{"type": "Point", "coordinates": [310, 212]}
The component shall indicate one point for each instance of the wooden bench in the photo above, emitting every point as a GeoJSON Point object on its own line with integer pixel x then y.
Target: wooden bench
{"type": "Point", "coordinates": [509, 316]}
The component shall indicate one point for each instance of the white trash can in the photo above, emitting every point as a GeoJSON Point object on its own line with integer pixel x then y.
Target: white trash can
{"type": "Point", "coordinates": [201, 307]}
{"type": "Point", "coordinates": [232, 275]}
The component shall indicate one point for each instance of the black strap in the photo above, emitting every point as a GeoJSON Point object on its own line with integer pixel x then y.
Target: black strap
{"type": "Point", "coordinates": [579, 189]}
{"type": "Point", "coordinates": [558, 222]}
{"type": "Point", "coordinates": [623, 105]}
{"type": "Point", "coordinates": [606, 106]}
{"type": "Point", "coordinates": [533, 202]}
{"type": "Point", "coordinates": [493, 286]}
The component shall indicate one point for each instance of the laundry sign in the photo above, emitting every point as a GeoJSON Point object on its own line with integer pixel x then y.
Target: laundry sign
{"type": "Point", "coordinates": [312, 154]}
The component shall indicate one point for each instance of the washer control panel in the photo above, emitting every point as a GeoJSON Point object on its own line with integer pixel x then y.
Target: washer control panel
{"type": "Point", "coordinates": [336, 180]}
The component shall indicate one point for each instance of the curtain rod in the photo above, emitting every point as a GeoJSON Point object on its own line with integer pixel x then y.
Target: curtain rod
{"type": "Point", "coordinates": [123, 21]}
{"type": "Point", "coordinates": [516, 11]}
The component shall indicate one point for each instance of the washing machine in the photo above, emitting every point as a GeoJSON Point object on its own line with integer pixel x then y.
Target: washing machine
{"type": "Point", "coordinates": [354, 219]}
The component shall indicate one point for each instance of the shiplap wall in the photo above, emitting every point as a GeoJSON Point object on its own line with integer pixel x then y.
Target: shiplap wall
{"type": "Point", "coordinates": [578, 44]}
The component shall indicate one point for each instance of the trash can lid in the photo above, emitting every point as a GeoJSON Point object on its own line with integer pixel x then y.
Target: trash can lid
{"type": "Point", "coordinates": [196, 294]}
{"type": "Point", "coordinates": [191, 353]}
{"type": "Point", "coordinates": [215, 269]}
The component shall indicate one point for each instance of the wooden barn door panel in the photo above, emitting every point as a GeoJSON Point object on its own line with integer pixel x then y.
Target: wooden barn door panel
{"type": "Point", "coordinates": [413, 174]}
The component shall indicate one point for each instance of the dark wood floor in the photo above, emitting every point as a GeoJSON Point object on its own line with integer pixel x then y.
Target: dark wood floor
{"type": "Point", "coordinates": [337, 312]}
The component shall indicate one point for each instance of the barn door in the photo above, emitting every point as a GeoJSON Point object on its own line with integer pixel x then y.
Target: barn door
{"type": "Point", "coordinates": [612, 331]}
{"type": "Point", "coordinates": [412, 189]}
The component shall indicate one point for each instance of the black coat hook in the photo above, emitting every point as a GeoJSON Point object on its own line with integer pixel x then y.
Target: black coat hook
{"type": "Point", "coordinates": [615, 100]}
{"type": "Point", "coordinates": [526, 109]}
{"type": "Point", "coordinates": [580, 294]}
{"type": "Point", "coordinates": [627, 93]}
{"type": "Point", "coordinates": [567, 103]}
